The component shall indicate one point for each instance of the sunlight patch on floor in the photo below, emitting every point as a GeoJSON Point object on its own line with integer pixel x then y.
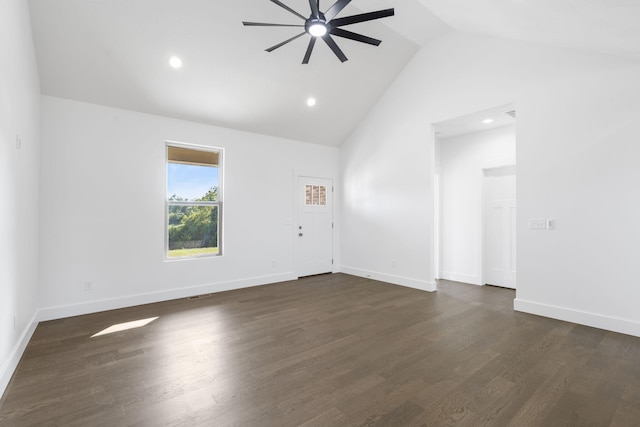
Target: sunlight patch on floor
{"type": "Point", "coordinates": [125, 326]}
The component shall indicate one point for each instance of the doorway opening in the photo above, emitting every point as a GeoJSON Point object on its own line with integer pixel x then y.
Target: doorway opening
{"type": "Point", "coordinates": [471, 154]}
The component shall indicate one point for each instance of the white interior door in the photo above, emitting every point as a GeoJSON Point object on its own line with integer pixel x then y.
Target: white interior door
{"type": "Point", "coordinates": [314, 231]}
{"type": "Point", "coordinates": [500, 230]}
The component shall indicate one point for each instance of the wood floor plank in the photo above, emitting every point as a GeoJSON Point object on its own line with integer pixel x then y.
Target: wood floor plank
{"type": "Point", "coordinates": [329, 350]}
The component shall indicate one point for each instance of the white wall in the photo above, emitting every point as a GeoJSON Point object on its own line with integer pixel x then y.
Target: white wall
{"type": "Point", "coordinates": [103, 198]}
{"type": "Point", "coordinates": [19, 116]}
{"type": "Point", "coordinates": [461, 160]}
{"type": "Point", "coordinates": [577, 163]}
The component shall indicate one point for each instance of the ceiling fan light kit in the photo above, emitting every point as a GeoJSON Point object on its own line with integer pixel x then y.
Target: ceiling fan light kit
{"type": "Point", "coordinates": [324, 25]}
{"type": "Point", "coordinates": [316, 27]}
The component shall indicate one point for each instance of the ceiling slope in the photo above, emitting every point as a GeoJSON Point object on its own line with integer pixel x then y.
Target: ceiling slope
{"type": "Point", "coordinates": [603, 26]}
{"type": "Point", "coordinates": [116, 52]}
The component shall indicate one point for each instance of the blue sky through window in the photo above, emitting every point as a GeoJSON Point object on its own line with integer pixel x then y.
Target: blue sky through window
{"type": "Point", "coordinates": [189, 181]}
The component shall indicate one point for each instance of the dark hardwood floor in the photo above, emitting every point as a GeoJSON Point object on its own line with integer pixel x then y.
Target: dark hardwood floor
{"type": "Point", "coordinates": [333, 350]}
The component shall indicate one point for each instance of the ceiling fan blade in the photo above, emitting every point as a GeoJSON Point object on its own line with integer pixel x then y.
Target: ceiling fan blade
{"type": "Point", "coordinates": [266, 24]}
{"type": "Point", "coordinates": [334, 47]}
{"type": "Point", "coordinates": [272, 48]}
{"type": "Point", "coordinates": [314, 8]}
{"type": "Point", "coordinates": [335, 9]}
{"type": "Point", "coordinates": [284, 6]}
{"type": "Point", "coordinates": [307, 55]}
{"type": "Point", "coordinates": [355, 36]}
{"type": "Point", "coordinates": [354, 19]}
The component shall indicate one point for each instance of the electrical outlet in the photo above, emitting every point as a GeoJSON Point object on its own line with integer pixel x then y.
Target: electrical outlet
{"type": "Point", "coordinates": [394, 264]}
{"type": "Point", "coordinates": [88, 286]}
{"type": "Point", "coordinates": [274, 264]}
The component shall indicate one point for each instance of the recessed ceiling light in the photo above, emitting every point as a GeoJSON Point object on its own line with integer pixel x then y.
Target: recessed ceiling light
{"type": "Point", "coordinates": [487, 121]}
{"type": "Point", "coordinates": [311, 102]}
{"type": "Point", "coordinates": [175, 62]}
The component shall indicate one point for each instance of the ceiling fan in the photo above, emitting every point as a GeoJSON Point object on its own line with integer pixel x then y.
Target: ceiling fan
{"type": "Point", "coordinates": [324, 25]}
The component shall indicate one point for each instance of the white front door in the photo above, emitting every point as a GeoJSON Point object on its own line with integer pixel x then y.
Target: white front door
{"type": "Point", "coordinates": [314, 231]}
{"type": "Point", "coordinates": [500, 231]}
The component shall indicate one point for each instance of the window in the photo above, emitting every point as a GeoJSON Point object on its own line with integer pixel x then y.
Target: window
{"type": "Point", "coordinates": [315, 195]}
{"type": "Point", "coordinates": [194, 202]}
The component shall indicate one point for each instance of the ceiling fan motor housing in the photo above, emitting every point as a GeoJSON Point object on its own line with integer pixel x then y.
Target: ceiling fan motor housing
{"type": "Point", "coordinates": [319, 26]}
{"type": "Point", "coordinates": [319, 22]}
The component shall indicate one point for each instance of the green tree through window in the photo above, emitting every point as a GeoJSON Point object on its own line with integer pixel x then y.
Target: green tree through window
{"type": "Point", "coordinates": [193, 213]}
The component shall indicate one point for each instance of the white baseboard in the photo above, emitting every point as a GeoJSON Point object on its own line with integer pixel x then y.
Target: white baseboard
{"type": "Point", "coordinates": [389, 278]}
{"type": "Point", "coordinates": [10, 365]}
{"type": "Point", "coordinates": [52, 313]}
{"type": "Point", "coordinates": [459, 277]}
{"type": "Point", "coordinates": [599, 321]}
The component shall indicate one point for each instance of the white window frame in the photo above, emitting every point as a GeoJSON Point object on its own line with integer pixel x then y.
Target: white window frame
{"type": "Point", "coordinates": [217, 203]}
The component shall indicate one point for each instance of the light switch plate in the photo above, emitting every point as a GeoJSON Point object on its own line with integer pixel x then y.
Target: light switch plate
{"type": "Point", "coordinates": [538, 223]}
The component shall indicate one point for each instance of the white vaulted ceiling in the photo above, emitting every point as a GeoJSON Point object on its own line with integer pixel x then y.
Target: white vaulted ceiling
{"type": "Point", "coordinates": [603, 26]}
{"type": "Point", "coordinates": [116, 52]}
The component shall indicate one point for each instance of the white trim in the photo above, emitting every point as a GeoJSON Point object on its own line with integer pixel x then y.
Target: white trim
{"type": "Point", "coordinates": [460, 277]}
{"type": "Point", "coordinates": [60, 312]}
{"type": "Point", "coordinates": [436, 245]}
{"type": "Point", "coordinates": [389, 278]}
{"type": "Point", "coordinates": [11, 363]}
{"type": "Point", "coordinates": [434, 196]}
{"type": "Point", "coordinates": [609, 323]}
